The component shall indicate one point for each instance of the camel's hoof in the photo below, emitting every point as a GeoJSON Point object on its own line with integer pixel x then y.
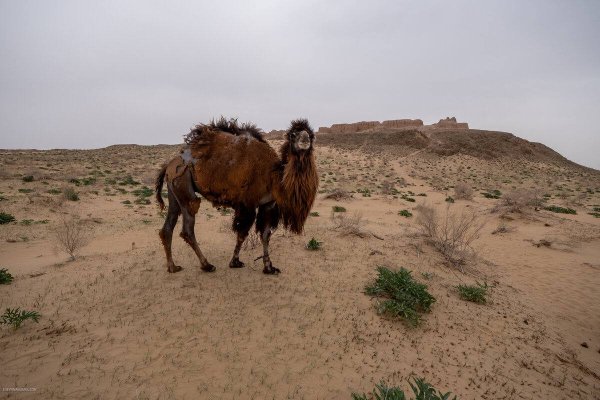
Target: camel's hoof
{"type": "Point", "coordinates": [271, 270]}
{"type": "Point", "coordinates": [174, 268]}
{"type": "Point", "coordinates": [208, 268]}
{"type": "Point", "coordinates": [236, 263]}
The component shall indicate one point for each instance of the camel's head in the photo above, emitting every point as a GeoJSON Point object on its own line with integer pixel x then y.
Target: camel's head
{"type": "Point", "coordinates": [300, 137]}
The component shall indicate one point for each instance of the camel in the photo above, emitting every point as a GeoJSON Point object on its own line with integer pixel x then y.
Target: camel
{"type": "Point", "coordinates": [232, 165]}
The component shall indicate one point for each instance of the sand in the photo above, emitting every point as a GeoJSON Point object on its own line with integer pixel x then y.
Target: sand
{"type": "Point", "coordinates": [116, 325]}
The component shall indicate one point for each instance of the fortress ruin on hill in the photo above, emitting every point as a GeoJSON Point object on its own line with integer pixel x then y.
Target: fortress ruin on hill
{"type": "Point", "coordinates": [371, 126]}
{"type": "Point", "coordinates": [448, 122]}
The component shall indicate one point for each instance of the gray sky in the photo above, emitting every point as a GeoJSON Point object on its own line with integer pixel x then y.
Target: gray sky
{"type": "Point", "coordinates": [82, 74]}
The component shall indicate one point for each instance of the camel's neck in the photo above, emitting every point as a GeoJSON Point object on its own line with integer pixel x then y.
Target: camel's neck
{"type": "Point", "coordinates": [297, 189]}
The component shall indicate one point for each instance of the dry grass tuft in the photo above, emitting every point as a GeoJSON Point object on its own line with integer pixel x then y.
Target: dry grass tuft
{"type": "Point", "coordinates": [451, 234]}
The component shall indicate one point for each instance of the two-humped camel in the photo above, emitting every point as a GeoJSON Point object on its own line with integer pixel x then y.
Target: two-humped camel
{"type": "Point", "coordinates": [232, 165]}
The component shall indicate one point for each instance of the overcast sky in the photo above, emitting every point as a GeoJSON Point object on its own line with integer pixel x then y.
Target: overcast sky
{"type": "Point", "coordinates": [82, 74]}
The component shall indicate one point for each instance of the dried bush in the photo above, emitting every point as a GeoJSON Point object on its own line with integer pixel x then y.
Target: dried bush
{"type": "Point", "coordinates": [462, 191]}
{"type": "Point", "coordinates": [71, 235]}
{"type": "Point", "coordinates": [338, 194]}
{"type": "Point", "coordinates": [349, 226]}
{"type": "Point", "coordinates": [452, 234]}
{"type": "Point", "coordinates": [503, 228]}
{"type": "Point", "coordinates": [70, 194]}
{"type": "Point", "coordinates": [251, 242]}
{"type": "Point", "coordinates": [518, 200]}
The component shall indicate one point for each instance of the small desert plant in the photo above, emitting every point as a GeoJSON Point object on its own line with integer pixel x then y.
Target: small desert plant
{"type": "Point", "coordinates": [338, 209]}
{"type": "Point", "coordinates": [449, 199]}
{"type": "Point", "coordinates": [5, 277]}
{"type": "Point", "coordinates": [519, 199]}
{"type": "Point", "coordinates": [560, 210]}
{"type": "Point", "coordinates": [338, 194]}
{"type": "Point", "coordinates": [144, 191]}
{"type": "Point", "coordinates": [16, 316]}
{"type": "Point", "coordinates": [402, 296]}
{"type": "Point", "coordinates": [54, 191]}
{"type": "Point", "coordinates": [314, 214]}
{"type": "Point", "coordinates": [421, 390]}
{"type": "Point", "coordinates": [128, 180]}
{"type": "Point", "coordinates": [451, 234]}
{"type": "Point", "coordinates": [503, 228]}
{"type": "Point", "coordinates": [71, 235]}
{"type": "Point", "coordinates": [349, 225]}
{"type": "Point", "coordinates": [5, 218]}
{"type": "Point", "coordinates": [492, 194]}
{"type": "Point", "coordinates": [27, 178]}
{"type": "Point", "coordinates": [475, 293]}
{"type": "Point", "coordinates": [405, 213]}
{"type": "Point", "coordinates": [462, 191]}
{"type": "Point", "coordinates": [252, 241]}
{"type": "Point", "coordinates": [70, 194]}
{"type": "Point", "coordinates": [407, 198]}
{"type": "Point", "coordinates": [313, 244]}
{"type": "Point", "coordinates": [365, 192]}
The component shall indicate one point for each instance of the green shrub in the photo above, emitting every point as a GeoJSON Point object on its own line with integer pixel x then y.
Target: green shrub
{"type": "Point", "coordinates": [27, 178]}
{"type": "Point", "coordinates": [560, 210]}
{"type": "Point", "coordinates": [364, 192]}
{"type": "Point", "coordinates": [314, 214]}
{"type": "Point", "coordinates": [5, 277]}
{"type": "Point", "coordinates": [400, 295]}
{"type": "Point", "coordinates": [70, 194]}
{"type": "Point", "coordinates": [54, 191]}
{"type": "Point", "coordinates": [144, 191]}
{"type": "Point", "coordinates": [25, 190]}
{"type": "Point", "coordinates": [88, 181]}
{"type": "Point", "coordinates": [475, 293]}
{"type": "Point", "coordinates": [16, 316]}
{"type": "Point", "coordinates": [5, 218]}
{"type": "Point", "coordinates": [595, 214]}
{"type": "Point", "coordinates": [409, 199]}
{"type": "Point", "coordinates": [338, 209]}
{"type": "Point", "coordinates": [126, 202]}
{"type": "Point", "coordinates": [128, 180]}
{"type": "Point", "coordinates": [405, 213]}
{"type": "Point", "coordinates": [449, 199]}
{"type": "Point", "coordinates": [421, 390]}
{"type": "Point", "coordinates": [313, 244]}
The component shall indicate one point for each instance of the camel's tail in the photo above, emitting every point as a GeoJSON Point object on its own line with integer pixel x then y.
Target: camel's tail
{"type": "Point", "coordinates": [159, 184]}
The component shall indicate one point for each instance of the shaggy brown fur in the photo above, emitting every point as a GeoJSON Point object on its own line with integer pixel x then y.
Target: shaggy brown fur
{"type": "Point", "coordinates": [232, 165]}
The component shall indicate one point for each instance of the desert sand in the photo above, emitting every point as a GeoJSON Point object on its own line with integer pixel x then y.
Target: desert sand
{"type": "Point", "coordinates": [114, 324]}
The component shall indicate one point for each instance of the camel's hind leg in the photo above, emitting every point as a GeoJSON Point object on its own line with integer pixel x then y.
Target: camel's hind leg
{"type": "Point", "coordinates": [266, 223]}
{"type": "Point", "coordinates": [242, 222]}
{"type": "Point", "coordinates": [187, 233]}
{"type": "Point", "coordinates": [166, 233]}
{"type": "Point", "coordinates": [189, 203]}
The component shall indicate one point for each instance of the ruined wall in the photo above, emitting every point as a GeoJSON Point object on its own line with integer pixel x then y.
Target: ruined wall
{"type": "Point", "coordinates": [450, 122]}
{"type": "Point", "coordinates": [402, 123]}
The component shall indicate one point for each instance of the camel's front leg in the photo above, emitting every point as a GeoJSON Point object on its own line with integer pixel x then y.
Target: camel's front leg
{"type": "Point", "coordinates": [268, 218]}
{"type": "Point", "coordinates": [242, 222]}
